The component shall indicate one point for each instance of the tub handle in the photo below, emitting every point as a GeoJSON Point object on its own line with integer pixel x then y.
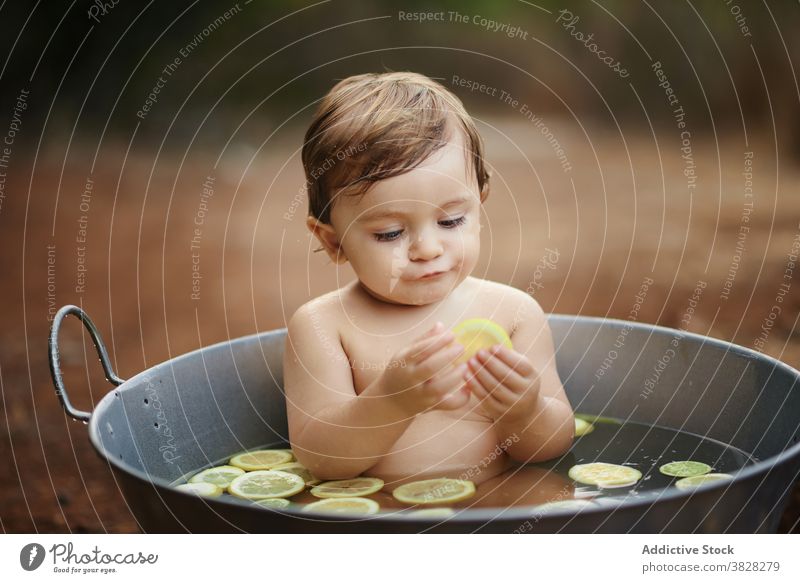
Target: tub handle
{"type": "Point", "coordinates": [55, 363]}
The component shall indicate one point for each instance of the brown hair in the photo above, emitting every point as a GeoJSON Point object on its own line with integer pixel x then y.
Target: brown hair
{"type": "Point", "coordinates": [374, 126]}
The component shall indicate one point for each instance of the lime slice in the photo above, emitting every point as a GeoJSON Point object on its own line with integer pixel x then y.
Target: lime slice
{"type": "Point", "coordinates": [435, 491]}
{"type": "Point", "coordinates": [201, 489]}
{"type": "Point", "coordinates": [278, 503]}
{"type": "Point", "coordinates": [432, 513]}
{"type": "Point", "coordinates": [300, 470]}
{"type": "Point", "coordinates": [356, 487]}
{"type": "Point", "coordinates": [222, 476]}
{"type": "Point", "coordinates": [263, 459]}
{"type": "Point", "coordinates": [477, 333]}
{"type": "Point", "coordinates": [695, 481]}
{"type": "Point", "coordinates": [605, 475]}
{"type": "Point", "coordinates": [353, 505]}
{"type": "Point", "coordinates": [582, 427]}
{"type": "Point", "coordinates": [684, 469]}
{"type": "Point", "coordinates": [266, 484]}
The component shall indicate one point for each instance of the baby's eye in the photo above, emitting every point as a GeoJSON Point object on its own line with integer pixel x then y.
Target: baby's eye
{"type": "Point", "coordinates": [452, 223]}
{"type": "Point", "coordinates": [390, 236]}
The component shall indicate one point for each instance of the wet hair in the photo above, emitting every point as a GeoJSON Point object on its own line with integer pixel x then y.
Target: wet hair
{"type": "Point", "coordinates": [377, 125]}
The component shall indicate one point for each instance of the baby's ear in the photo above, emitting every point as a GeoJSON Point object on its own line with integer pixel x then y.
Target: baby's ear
{"type": "Point", "coordinates": [485, 192]}
{"type": "Point", "coordinates": [326, 235]}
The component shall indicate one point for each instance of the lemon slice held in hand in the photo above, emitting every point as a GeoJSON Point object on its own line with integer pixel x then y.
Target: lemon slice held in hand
{"type": "Point", "coordinates": [352, 505]}
{"type": "Point", "coordinates": [263, 459]}
{"type": "Point", "coordinates": [362, 486]}
{"type": "Point", "coordinates": [262, 484]}
{"type": "Point", "coordinates": [477, 333]}
{"type": "Point", "coordinates": [435, 491]}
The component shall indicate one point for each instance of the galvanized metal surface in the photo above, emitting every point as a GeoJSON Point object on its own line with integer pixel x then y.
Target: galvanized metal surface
{"type": "Point", "coordinates": [196, 409]}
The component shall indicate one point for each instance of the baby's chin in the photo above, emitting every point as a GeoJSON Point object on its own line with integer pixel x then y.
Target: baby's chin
{"type": "Point", "coordinates": [415, 293]}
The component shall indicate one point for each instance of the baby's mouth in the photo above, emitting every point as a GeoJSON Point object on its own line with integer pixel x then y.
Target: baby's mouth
{"type": "Point", "coordinates": [431, 275]}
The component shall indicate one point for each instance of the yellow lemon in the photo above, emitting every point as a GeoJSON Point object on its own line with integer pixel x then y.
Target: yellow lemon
{"type": "Point", "coordinates": [582, 427]}
{"type": "Point", "coordinates": [266, 484]}
{"type": "Point", "coordinates": [354, 505]}
{"type": "Point", "coordinates": [605, 475]}
{"type": "Point", "coordinates": [222, 476]}
{"type": "Point", "coordinates": [348, 488]}
{"type": "Point", "coordinates": [278, 503]}
{"type": "Point", "coordinates": [435, 491]}
{"type": "Point", "coordinates": [477, 333]}
{"type": "Point", "coordinates": [264, 459]}
{"type": "Point", "coordinates": [201, 489]}
{"type": "Point", "coordinates": [300, 470]}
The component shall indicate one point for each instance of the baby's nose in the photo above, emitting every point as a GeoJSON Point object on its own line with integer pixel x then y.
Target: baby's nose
{"type": "Point", "coordinates": [425, 248]}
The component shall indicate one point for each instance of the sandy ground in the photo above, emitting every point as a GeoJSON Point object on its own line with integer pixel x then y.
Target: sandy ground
{"type": "Point", "coordinates": [625, 211]}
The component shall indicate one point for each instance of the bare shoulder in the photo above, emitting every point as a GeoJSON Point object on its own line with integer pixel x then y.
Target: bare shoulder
{"type": "Point", "coordinates": [516, 306]}
{"type": "Point", "coordinates": [316, 323]}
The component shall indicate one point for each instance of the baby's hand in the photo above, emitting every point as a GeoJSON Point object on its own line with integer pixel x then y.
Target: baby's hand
{"type": "Point", "coordinates": [505, 382]}
{"type": "Point", "coordinates": [424, 375]}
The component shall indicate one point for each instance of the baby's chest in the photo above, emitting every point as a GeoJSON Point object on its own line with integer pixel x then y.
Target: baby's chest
{"type": "Point", "coordinates": [369, 358]}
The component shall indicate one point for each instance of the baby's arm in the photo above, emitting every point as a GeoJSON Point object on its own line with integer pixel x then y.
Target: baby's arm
{"type": "Point", "coordinates": [537, 420]}
{"type": "Point", "coordinates": [337, 434]}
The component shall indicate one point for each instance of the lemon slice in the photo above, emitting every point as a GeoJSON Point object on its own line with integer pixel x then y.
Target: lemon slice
{"type": "Point", "coordinates": [201, 489]}
{"type": "Point", "coordinates": [684, 469]}
{"type": "Point", "coordinates": [300, 470]}
{"type": "Point", "coordinates": [222, 476]}
{"type": "Point", "coordinates": [435, 491]}
{"type": "Point", "coordinates": [352, 505]}
{"type": "Point", "coordinates": [582, 427]}
{"type": "Point", "coordinates": [278, 503]}
{"type": "Point", "coordinates": [263, 459]}
{"type": "Point", "coordinates": [262, 484]}
{"type": "Point", "coordinates": [289, 451]}
{"type": "Point", "coordinates": [361, 486]}
{"type": "Point", "coordinates": [477, 333]}
{"type": "Point", "coordinates": [432, 513]}
{"type": "Point", "coordinates": [695, 481]}
{"type": "Point", "coordinates": [605, 475]}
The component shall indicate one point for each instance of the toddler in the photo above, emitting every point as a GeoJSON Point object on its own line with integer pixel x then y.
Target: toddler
{"type": "Point", "coordinates": [396, 179]}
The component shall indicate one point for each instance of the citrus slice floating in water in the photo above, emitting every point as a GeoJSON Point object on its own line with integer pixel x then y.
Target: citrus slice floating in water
{"type": "Point", "coordinates": [222, 476]}
{"type": "Point", "coordinates": [277, 503]}
{"type": "Point", "coordinates": [695, 481]}
{"type": "Point", "coordinates": [262, 484]}
{"type": "Point", "coordinates": [201, 489]}
{"type": "Point", "coordinates": [355, 487]}
{"type": "Point", "coordinates": [264, 459]}
{"type": "Point", "coordinates": [477, 333]}
{"type": "Point", "coordinates": [300, 470]}
{"type": "Point", "coordinates": [582, 427]}
{"type": "Point", "coordinates": [684, 469]}
{"type": "Point", "coordinates": [435, 491]}
{"type": "Point", "coordinates": [352, 505]}
{"type": "Point", "coordinates": [605, 475]}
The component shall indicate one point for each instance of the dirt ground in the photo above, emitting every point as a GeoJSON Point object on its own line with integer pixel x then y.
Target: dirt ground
{"type": "Point", "coordinates": [124, 241]}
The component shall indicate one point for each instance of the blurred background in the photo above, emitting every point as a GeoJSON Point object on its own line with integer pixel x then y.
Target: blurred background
{"type": "Point", "coordinates": [150, 173]}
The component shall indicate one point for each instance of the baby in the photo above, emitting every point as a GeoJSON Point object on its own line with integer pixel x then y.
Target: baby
{"type": "Point", "coordinates": [396, 179]}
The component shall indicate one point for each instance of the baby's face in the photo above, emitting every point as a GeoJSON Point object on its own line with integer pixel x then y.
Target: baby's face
{"type": "Point", "coordinates": [412, 225]}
